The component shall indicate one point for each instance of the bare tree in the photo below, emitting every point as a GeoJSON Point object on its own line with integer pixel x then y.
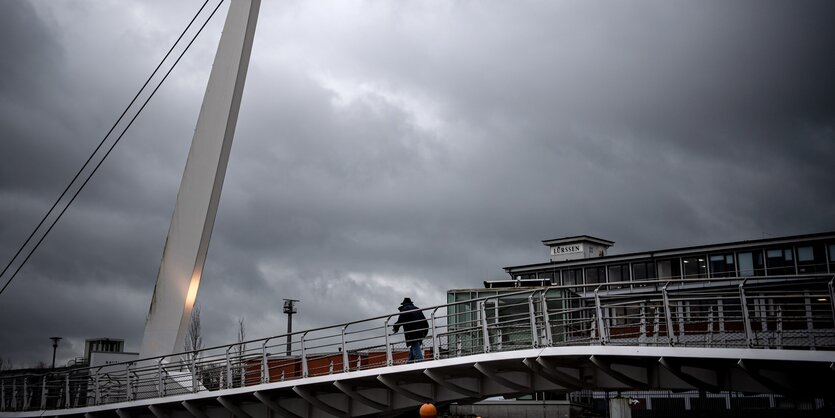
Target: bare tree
{"type": "Point", "coordinates": [194, 339]}
{"type": "Point", "coordinates": [239, 370]}
{"type": "Point", "coordinates": [241, 330]}
{"type": "Point", "coordinates": [5, 363]}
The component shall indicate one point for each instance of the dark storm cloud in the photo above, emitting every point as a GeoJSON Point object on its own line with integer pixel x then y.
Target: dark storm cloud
{"type": "Point", "coordinates": [400, 149]}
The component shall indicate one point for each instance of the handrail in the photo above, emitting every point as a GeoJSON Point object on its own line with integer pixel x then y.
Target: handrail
{"type": "Point", "coordinates": [616, 286]}
{"type": "Point", "coordinates": [708, 315]}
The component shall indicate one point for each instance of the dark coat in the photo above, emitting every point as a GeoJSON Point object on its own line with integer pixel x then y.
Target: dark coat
{"type": "Point", "coordinates": [415, 326]}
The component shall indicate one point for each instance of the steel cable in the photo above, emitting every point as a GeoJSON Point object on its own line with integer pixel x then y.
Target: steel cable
{"type": "Point", "coordinates": [86, 163]}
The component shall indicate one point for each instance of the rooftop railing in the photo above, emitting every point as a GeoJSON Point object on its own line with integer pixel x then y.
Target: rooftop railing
{"type": "Point", "coordinates": [787, 312]}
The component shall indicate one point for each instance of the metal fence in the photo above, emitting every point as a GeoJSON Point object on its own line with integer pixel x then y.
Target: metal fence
{"type": "Point", "coordinates": [787, 312]}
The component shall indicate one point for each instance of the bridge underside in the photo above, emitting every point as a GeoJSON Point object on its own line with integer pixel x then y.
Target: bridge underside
{"type": "Point", "coordinates": [391, 390]}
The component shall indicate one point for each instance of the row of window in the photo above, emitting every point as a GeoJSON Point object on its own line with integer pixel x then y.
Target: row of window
{"type": "Point", "coordinates": [805, 258]}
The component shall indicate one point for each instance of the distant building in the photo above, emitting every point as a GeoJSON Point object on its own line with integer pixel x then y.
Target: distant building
{"type": "Point", "coordinates": [104, 351]}
{"type": "Point", "coordinates": [572, 263]}
{"type": "Point", "coordinates": [579, 267]}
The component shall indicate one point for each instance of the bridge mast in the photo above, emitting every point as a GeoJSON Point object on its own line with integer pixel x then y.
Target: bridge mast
{"type": "Point", "coordinates": [197, 200]}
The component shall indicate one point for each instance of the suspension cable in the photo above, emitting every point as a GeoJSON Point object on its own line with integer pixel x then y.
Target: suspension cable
{"type": "Point", "coordinates": [113, 145]}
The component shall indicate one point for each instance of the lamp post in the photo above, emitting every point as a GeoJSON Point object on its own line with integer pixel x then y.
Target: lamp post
{"type": "Point", "coordinates": [290, 309]}
{"type": "Point", "coordinates": [54, 348]}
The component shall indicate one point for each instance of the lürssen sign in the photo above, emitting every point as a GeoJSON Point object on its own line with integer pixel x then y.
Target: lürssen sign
{"type": "Point", "coordinates": [574, 248]}
{"type": "Point", "coordinates": [567, 249]}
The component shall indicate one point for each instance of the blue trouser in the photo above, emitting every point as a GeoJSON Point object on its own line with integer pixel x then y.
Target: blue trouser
{"type": "Point", "coordinates": [415, 352]}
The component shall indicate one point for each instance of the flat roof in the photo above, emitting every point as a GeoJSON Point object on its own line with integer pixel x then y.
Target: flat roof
{"type": "Point", "coordinates": [566, 240]}
{"type": "Point", "coordinates": [676, 251]}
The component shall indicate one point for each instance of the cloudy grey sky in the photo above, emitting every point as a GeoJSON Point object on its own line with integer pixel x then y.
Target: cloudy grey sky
{"type": "Point", "coordinates": [388, 149]}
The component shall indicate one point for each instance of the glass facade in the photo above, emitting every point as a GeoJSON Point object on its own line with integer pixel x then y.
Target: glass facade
{"type": "Point", "coordinates": [750, 263]}
{"type": "Point", "coordinates": [511, 311]}
{"type": "Point", "coordinates": [811, 259]}
{"type": "Point", "coordinates": [595, 275]}
{"type": "Point", "coordinates": [812, 256]}
{"type": "Point", "coordinates": [619, 273]}
{"type": "Point", "coordinates": [572, 277]}
{"type": "Point", "coordinates": [643, 271]}
{"type": "Point", "coordinates": [779, 261]}
{"type": "Point", "coordinates": [669, 269]}
{"type": "Point", "coordinates": [722, 265]}
{"type": "Point", "coordinates": [695, 267]}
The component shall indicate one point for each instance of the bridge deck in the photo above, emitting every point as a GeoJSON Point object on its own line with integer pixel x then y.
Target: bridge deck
{"type": "Point", "coordinates": [774, 336]}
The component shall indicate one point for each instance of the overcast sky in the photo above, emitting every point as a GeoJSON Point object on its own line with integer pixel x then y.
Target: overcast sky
{"type": "Point", "coordinates": [388, 149]}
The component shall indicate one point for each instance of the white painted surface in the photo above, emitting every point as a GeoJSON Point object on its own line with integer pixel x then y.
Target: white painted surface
{"type": "Point", "coordinates": [101, 359]}
{"type": "Point", "coordinates": [576, 250]}
{"type": "Point", "coordinates": [197, 200]}
{"type": "Point", "coordinates": [619, 408]}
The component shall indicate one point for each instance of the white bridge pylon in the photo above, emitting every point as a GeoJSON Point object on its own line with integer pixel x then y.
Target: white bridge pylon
{"type": "Point", "coordinates": [197, 200]}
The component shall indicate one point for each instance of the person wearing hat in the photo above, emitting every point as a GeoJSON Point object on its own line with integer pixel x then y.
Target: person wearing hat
{"type": "Point", "coordinates": [415, 328]}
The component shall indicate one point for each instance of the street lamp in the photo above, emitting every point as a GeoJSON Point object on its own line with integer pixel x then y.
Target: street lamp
{"type": "Point", "coordinates": [290, 309]}
{"type": "Point", "coordinates": [54, 348]}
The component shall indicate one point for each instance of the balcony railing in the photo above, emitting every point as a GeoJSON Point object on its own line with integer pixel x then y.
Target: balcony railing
{"type": "Point", "coordinates": [788, 312]}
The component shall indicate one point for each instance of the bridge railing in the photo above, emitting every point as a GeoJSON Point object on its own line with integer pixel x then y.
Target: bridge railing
{"type": "Point", "coordinates": [788, 312]}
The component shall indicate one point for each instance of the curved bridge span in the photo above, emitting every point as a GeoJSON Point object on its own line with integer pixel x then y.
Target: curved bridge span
{"type": "Point", "coordinates": [773, 335]}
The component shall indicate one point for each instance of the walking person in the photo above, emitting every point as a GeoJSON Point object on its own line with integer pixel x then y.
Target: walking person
{"type": "Point", "coordinates": [415, 328]}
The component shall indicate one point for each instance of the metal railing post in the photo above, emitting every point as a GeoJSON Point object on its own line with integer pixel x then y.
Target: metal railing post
{"type": "Point", "coordinates": [345, 366]}
{"type": "Point", "coordinates": [601, 322]}
{"type": "Point", "coordinates": [436, 352]}
{"type": "Point", "coordinates": [229, 378]}
{"type": "Point", "coordinates": [304, 355]}
{"type": "Point", "coordinates": [485, 332]}
{"type": "Point", "coordinates": [709, 338]}
{"type": "Point", "coordinates": [14, 395]}
{"type": "Point", "coordinates": [668, 316]}
{"type": "Point", "coordinates": [265, 369]}
{"type": "Point", "coordinates": [532, 318]}
{"type": "Point", "coordinates": [194, 372]}
{"type": "Point", "coordinates": [67, 390]}
{"type": "Point", "coordinates": [389, 359]}
{"type": "Point", "coordinates": [779, 332]}
{"type": "Point", "coordinates": [832, 297]}
{"type": "Point", "coordinates": [810, 320]}
{"type": "Point", "coordinates": [128, 394]}
{"type": "Point", "coordinates": [680, 315]}
{"type": "Point", "coordinates": [746, 317]}
{"type": "Point", "coordinates": [160, 378]}
{"type": "Point", "coordinates": [43, 393]}
{"type": "Point", "coordinates": [549, 341]}
{"type": "Point", "coordinates": [97, 388]}
{"type": "Point", "coordinates": [25, 393]}
{"type": "Point", "coordinates": [241, 363]}
{"type": "Point", "coordinates": [656, 328]}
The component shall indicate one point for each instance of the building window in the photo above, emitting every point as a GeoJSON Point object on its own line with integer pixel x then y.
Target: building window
{"type": "Point", "coordinates": [695, 267]}
{"type": "Point", "coordinates": [750, 263]}
{"type": "Point", "coordinates": [618, 273]}
{"type": "Point", "coordinates": [779, 261]}
{"type": "Point", "coordinates": [722, 265]}
{"type": "Point", "coordinates": [810, 259]}
{"type": "Point", "coordinates": [831, 257]}
{"type": "Point", "coordinates": [572, 277]}
{"type": "Point", "coordinates": [643, 271]}
{"type": "Point", "coordinates": [595, 275]}
{"type": "Point", "coordinates": [669, 269]}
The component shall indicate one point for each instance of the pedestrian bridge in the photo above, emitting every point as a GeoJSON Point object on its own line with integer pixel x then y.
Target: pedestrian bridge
{"type": "Point", "coordinates": [754, 335]}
